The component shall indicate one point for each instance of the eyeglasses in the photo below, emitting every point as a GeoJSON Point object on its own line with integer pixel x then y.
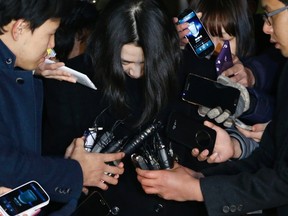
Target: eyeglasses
{"type": "Point", "coordinates": [267, 16]}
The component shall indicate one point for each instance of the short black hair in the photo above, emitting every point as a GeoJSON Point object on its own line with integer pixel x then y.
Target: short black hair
{"type": "Point", "coordinates": [36, 12]}
{"type": "Point", "coordinates": [79, 23]}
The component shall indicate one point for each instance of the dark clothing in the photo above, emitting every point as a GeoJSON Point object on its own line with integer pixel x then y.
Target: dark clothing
{"type": "Point", "coordinates": [71, 109]}
{"type": "Point", "coordinates": [20, 136]}
{"type": "Point", "coordinates": [265, 67]}
{"type": "Point", "coordinates": [259, 181]}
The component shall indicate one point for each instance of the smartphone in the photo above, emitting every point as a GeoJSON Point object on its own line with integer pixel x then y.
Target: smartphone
{"type": "Point", "coordinates": [202, 91]}
{"type": "Point", "coordinates": [224, 58]}
{"type": "Point", "coordinates": [25, 199]}
{"type": "Point", "coordinates": [190, 133]}
{"type": "Point", "coordinates": [198, 37]}
{"type": "Point", "coordinates": [93, 204]}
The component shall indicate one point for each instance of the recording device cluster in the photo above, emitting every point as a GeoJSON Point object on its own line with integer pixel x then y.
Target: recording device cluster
{"type": "Point", "coordinates": [148, 149]}
{"type": "Point", "coordinates": [106, 143]}
{"type": "Point", "coordinates": [154, 153]}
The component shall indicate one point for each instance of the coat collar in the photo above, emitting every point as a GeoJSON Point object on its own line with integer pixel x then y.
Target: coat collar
{"type": "Point", "coordinates": [7, 58]}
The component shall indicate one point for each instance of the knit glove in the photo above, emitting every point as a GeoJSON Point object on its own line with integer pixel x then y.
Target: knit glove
{"type": "Point", "coordinates": [225, 116]}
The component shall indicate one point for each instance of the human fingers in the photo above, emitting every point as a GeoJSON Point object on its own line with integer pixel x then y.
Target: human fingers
{"type": "Point", "coordinates": [199, 14]}
{"type": "Point", "coordinates": [85, 190]}
{"type": "Point", "coordinates": [203, 155]}
{"type": "Point", "coordinates": [260, 127]}
{"type": "Point", "coordinates": [195, 152]}
{"type": "Point", "coordinates": [70, 148]}
{"type": "Point", "coordinates": [59, 74]}
{"type": "Point", "coordinates": [183, 26]}
{"type": "Point", "coordinates": [212, 158]}
{"type": "Point", "coordinates": [175, 20]}
{"type": "Point", "coordinates": [35, 213]}
{"type": "Point", "coordinates": [113, 156]}
{"type": "Point", "coordinates": [110, 168]}
{"type": "Point", "coordinates": [255, 135]}
{"type": "Point", "coordinates": [109, 179]}
{"type": "Point", "coordinates": [4, 190]}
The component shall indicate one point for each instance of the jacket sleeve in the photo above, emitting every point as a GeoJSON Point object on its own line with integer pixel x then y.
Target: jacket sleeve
{"type": "Point", "coordinates": [61, 178]}
{"type": "Point", "coordinates": [266, 69]}
{"type": "Point", "coordinates": [246, 185]}
{"type": "Point", "coordinates": [247, 145]}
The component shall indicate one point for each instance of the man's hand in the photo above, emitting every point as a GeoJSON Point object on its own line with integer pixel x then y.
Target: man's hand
{"type": "Point", "coordinates": [238, 73]}
{"type": "Point", "coordinates": [256, 132]}
{"type": "Point", "coordinates": [225, 147]}
{"type": "Point", "coordinates": [52, 71]}
{"type": "Point", "coordinates": [179, 183]}
{"type": "Point", "coordinates": [95, 166]}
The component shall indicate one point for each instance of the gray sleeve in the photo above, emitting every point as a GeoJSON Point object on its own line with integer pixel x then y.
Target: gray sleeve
{"type": "Point", "coordinates": [247, 145]}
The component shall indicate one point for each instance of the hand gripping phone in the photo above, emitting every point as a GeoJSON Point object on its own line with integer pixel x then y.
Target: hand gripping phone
{"type": "Point", "coordinates": [25, 199]}
{"type": "Point", "coordinates": [202, 91]}
{"type": "Point", "coordinates": [198, 37]}
{"type": "Point", "coordinates": [190, 133]}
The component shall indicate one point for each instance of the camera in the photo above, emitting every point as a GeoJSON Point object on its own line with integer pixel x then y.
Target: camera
{"type": "Point", "coordinates": [190, 133]}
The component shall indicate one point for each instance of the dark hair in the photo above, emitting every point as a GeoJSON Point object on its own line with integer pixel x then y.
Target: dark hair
{"type": "Point", "coordinates": [234, 16]}
{"type": "Point", "coordinates": [284, 1]}
{"type": "Point", "coordinates": [146, 24]}
{"type": "Point", "coordinates": [77, 24]}
{"type": "Point", "coordinates": [36, 12]}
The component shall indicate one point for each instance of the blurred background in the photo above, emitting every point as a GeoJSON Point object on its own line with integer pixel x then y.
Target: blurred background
{"type": "Point", "coordinates": [174, 6]}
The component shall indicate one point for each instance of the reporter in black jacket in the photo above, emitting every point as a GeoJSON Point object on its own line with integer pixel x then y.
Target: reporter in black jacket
{"type": "Point", "coordinates": [257, 182]}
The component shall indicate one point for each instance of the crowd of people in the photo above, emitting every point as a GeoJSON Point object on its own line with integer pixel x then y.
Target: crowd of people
{"type": "Point", "coordinates": [138, 57]}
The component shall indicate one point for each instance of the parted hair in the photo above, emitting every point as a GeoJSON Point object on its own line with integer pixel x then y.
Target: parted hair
{"type": "Point", "coordinates": [146, 24]}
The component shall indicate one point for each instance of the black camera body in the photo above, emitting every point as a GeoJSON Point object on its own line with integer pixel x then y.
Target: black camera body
{"type": "Point", "coordinates": [190, 133]}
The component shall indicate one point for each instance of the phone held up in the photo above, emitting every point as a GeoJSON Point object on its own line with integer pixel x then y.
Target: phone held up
{"type": "Point", "coordinates": [202, 91]}
{"type": "Point", "coordinates": [198, 37]}
{"type": "Point", "coordinates": [25, 199]}
{"type": "Point", "coordinates": [224, 59]}
{"type": "Point", "coordinates": [190, 133]}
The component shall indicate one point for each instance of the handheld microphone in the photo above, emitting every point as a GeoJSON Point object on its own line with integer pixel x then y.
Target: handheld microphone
{"type": "Point", "coordinates": [129, 148]}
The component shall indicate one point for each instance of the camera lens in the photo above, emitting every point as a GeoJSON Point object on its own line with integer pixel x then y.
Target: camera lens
{"type": "Point", "coordinates": [203, 138]}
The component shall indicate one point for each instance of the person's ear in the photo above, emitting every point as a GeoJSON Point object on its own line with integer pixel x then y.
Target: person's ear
{"type": "Point", "coordinates": [18, 28]}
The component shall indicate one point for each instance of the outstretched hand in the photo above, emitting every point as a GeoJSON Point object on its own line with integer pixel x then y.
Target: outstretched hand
{"type": "Point", "coordinates": [179, 183]}
{"type": "Point", "coordinates": [95, 166]}
{"type": "Point", "coordinates": [225, 147]}
{"type": "Point", "coordinates": [53, 71]}
{"type": "Point", "coordinates": [256, 132]}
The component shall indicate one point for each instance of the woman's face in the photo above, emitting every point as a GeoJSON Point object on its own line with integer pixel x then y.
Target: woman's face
{"type": "Point", "coordinates": [218, 41]}
{"type": "Point", "coordinates": [132, 58]}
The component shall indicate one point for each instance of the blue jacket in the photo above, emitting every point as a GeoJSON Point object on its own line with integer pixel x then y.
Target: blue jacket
{"type": "Point", "coordinates": [20, 136]}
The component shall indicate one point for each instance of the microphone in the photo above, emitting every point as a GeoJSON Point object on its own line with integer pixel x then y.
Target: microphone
{"type": "Point", "coordinates": [130, 147]}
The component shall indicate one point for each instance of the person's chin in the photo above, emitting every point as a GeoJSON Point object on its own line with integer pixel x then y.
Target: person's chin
{"type": "Point", "coordinates": [284, 52]}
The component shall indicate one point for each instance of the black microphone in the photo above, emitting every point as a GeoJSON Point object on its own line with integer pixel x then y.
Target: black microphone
{"type": "Point", "coordinates": [131, 147]}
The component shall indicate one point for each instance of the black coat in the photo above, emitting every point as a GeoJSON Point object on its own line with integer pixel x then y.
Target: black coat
{"type": "Point", "coordinates": [261, 180]}
{"type": "Point", "coordinates": [71, 109]}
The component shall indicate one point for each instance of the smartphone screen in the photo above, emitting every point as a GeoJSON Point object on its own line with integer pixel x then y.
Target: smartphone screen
{"type": "Point", "coordinates": [24, 198]}
{"type": "Point", "coordinates": [199, 39]}
{"type": "Point", "coordinates": [205, 92]}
